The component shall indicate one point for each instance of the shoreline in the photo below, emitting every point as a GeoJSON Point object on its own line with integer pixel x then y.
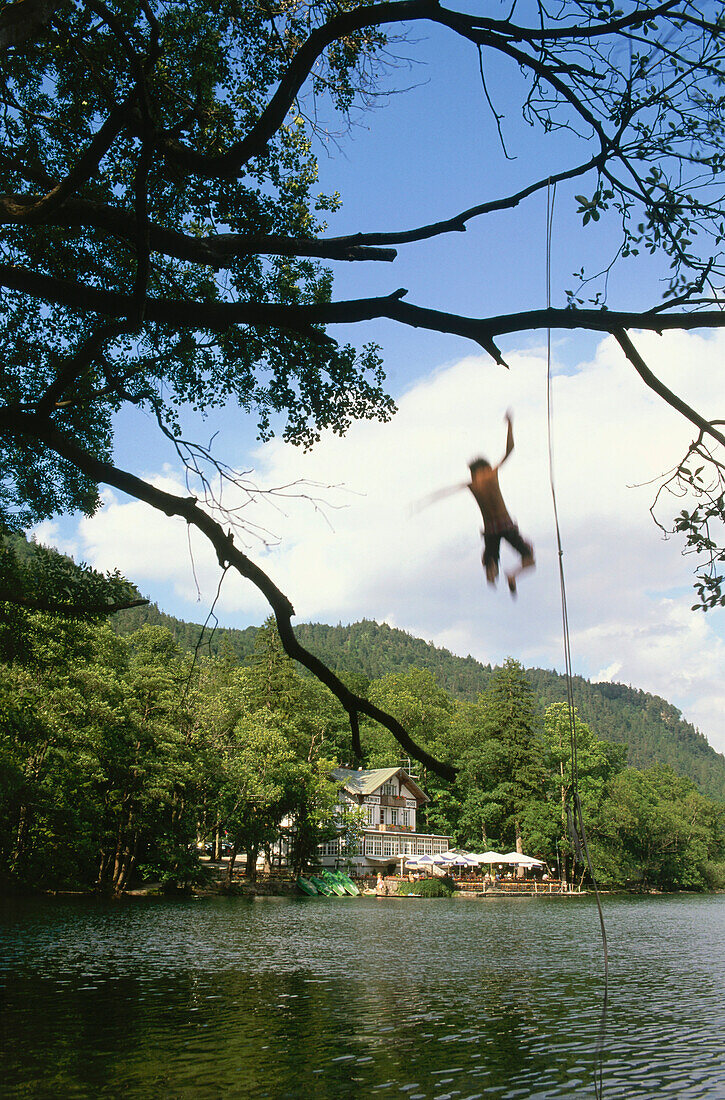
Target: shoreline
{"type": "Point", "coordinates": [289, 889]}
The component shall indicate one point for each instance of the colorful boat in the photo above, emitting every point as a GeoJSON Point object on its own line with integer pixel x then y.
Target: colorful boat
{"type": "Point", "coordinates": [306, 887]}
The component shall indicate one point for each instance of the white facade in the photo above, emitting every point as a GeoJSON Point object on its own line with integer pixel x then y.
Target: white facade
{"type": "Point", "coordinates": [389, 800]}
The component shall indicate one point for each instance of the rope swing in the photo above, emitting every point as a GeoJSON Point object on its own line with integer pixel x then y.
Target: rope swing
{"type": "Point", "coordinates": [575, 819]}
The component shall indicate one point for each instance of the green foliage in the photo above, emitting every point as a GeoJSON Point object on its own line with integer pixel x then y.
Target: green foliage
{"type": "Point", "coordinates": [657, 829]}
{"type": "Point", "coordinates": [714, 874]}
{"type": "Point", "coordinates": [207, 75]}
{"type": "Point", "coordinates": [428, 888]}
{"type": "Point", "coordinates": [33, 578]}
{"type": "Point", "coordinates": [120, 752]}
{"type": "Point", "coordinates": [651, 729]}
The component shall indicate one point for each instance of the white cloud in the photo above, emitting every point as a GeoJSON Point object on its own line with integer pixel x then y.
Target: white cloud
{"type": "Point", "coordinates": [376, 557]}
{"type": "Point", "coordinates": [607, 675]}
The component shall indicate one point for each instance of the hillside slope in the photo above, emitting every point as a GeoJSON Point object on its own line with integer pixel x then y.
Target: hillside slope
{"type": "Point", "coordinates": [653, 729]}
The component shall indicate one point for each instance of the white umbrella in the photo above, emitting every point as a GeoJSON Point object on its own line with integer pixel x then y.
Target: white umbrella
{"type": "Point", "coordinates": [425, 861]}
{"type": "Point", "coordinates": [490, 857]}
{"type": "Point", "coordinates": [460, 859]}
{"type": "Point", "coordinates": [521, 860]}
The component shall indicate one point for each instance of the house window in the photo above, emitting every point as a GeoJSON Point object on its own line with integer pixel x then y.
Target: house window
{"type": "Point", "coordinates": [393, 817]}
{"type": "Point", "coordinates": [382, 815]}
{"type": "Point", "coordinates": [389, 788]}
{"type": "Point", "coordinates": [404, 818]}
{"type": "Point", "coordinates": [376, 847]}
{"type": "Point", "coordinates": [371, 815]}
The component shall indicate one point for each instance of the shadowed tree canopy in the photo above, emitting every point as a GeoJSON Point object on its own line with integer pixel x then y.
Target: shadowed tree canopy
{"type": "Point", "coordinates": [163, 245]}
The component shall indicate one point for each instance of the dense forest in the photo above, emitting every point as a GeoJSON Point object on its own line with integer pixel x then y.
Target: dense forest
{"type": "Point", "coordinates": [652, 729]}
{"type": "Point", "coordinates": [123, 751]}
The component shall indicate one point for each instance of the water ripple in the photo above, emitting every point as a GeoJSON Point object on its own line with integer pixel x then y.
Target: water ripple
{"type": "Point", "coordinates": [429, 1001]}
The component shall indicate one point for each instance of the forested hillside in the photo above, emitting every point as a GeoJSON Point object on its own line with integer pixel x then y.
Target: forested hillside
{"type": "Point", "coordinates": [653, 729]}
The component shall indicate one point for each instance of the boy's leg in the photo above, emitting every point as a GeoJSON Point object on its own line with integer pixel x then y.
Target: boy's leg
{"type": "Point", "coordinates": [526, 550]}
{"type": "Point", "coordinates": [491, 549]}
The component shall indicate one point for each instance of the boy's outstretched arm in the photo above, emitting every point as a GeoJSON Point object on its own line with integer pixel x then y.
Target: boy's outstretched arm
{"type": "Point", "coordinates": [509, 436]}
{"type": "Point", "coordinates": [439, 494]}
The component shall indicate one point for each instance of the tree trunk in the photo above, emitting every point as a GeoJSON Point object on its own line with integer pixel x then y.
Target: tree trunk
{"type": "Point", "coordinates": [519, 849]}
{"type": "Point", "coordinates": [21, 837]}
{"type": "Point", "coordinates": [128, 864]}
{"type": "Point", "coordinates": [103, 865]}
{"type": "Point", "coordinates": [230, 868]}
{"type": "Point", "coordinates": [118, 855]}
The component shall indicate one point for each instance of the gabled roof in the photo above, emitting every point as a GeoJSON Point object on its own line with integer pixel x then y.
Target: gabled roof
{"type": "Point", "coordinates": [367, 782]}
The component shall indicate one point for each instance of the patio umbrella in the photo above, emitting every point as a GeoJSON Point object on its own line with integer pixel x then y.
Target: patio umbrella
{"type": "Point", "coordinates": [429, 861]}
{"type": "Point", "coordinates": [518, 859]}
{"type": "Point", "coordinates": [490, 857]}
{"type": "Point", "coordinates": [529, 861]}
{"type": "Point", "coordinates": [460, 859]}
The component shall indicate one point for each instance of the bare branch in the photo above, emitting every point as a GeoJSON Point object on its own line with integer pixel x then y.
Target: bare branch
{"type": "Point", "coordinates": [219, 316]}
{"type": "Point", "coordinates": [662, 390]}
{"type": "Point", "coordinates": [212, 251]}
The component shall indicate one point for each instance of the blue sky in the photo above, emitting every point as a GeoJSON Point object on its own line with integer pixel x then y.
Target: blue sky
{"type": "Point", "coordinates": [360, 549]}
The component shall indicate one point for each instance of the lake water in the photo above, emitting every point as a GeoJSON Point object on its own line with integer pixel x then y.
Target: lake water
{"type": "Point", "coordinates": [336, 998]}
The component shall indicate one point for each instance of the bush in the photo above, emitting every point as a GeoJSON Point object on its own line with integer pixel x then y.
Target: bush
{"type": "Point", "coordinates": [714, 875]}
{"type": "Point", "coordinates": [428, 888]}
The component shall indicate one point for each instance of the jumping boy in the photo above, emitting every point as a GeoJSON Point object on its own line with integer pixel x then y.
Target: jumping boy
{"type": "Point", "coordinates": [497, 523]}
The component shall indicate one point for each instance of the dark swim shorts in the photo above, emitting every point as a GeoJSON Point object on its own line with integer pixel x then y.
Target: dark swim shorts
{"type": "Point", "coordinates": [492, 544]}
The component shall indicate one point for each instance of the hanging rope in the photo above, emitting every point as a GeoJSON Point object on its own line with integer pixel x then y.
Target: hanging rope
{"type": "Point", "coordinates": [575, 820]}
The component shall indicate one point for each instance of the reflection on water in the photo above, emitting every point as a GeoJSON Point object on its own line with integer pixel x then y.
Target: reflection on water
{"type": "Point", "coordinates": [360, 997]}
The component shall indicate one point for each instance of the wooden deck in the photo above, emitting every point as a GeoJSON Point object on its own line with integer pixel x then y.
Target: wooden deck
{"type": "Point", "coordinates": [528, 887]}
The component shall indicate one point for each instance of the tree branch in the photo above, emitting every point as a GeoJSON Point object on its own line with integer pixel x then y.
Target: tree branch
{"type": "Point", "coordinates": [661, 389]}
{"type": "Point", "coordinates": [83, 169]}
{"type": "Point", "coordinates": [213, 251]}
{"type": "Point", "coordinates": [70, 611]}
{"type": "Point", "coordinates": [23, 425]}
{"type": "Point", "coordinates": [78, 364]}
{"type": "Point", "coordinates": [498, 35]}
{"type": "Point", "coordinates": [219, 316]}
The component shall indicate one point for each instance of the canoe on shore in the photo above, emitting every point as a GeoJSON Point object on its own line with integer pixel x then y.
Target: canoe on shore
{"type": "Point", "coordinates": [347, 884]}
{"type": "Point", "coordinates": [321, 886]}
{"type": "Point", "coordinates": [332, 881]}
